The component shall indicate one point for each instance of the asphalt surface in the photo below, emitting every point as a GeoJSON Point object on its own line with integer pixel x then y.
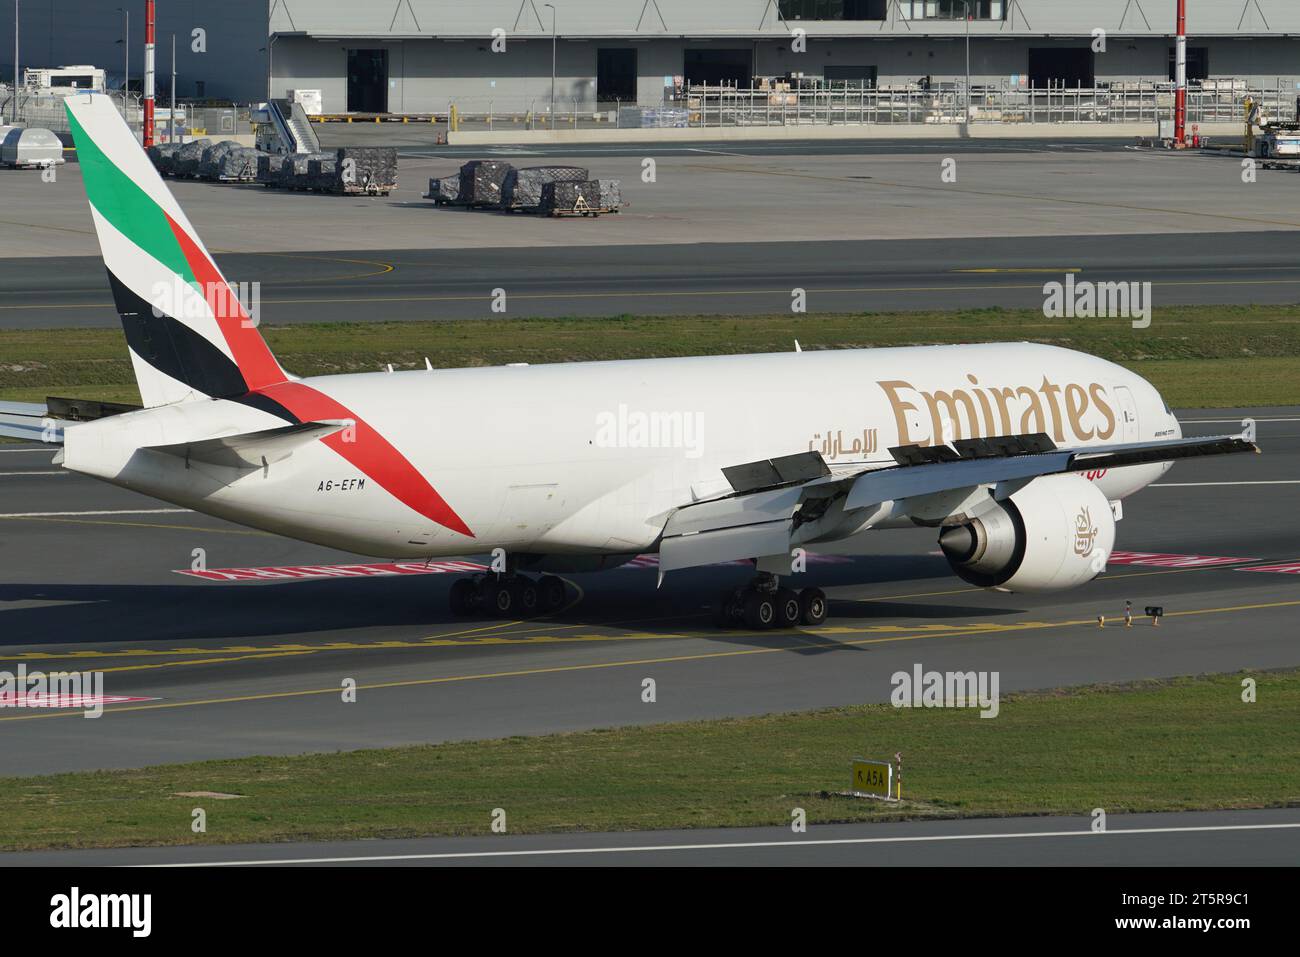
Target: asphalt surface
{"type": "Point", "coordinates": [689, 279]}
{"type": "Point", "coordinates": [229, 669]}
{"type": "Point", "coordinates": [1263, 838]}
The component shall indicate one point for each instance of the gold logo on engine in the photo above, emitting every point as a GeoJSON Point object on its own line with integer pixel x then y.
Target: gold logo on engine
{"type": "Point", "coordinates": [1085, 533]}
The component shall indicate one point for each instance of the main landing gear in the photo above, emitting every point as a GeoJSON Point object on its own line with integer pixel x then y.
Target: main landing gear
{"type": "Point", "coordinates": [507, 596]}
{"type": "Point", "coordinates": [764, 603]}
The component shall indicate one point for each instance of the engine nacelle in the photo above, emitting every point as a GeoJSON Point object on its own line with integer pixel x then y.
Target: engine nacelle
{"type": "Point", "coordinates": [1055, 533]}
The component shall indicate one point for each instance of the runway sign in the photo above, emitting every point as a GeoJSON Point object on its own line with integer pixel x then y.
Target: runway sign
{"type": "Point", "coordinates": [873, 778]}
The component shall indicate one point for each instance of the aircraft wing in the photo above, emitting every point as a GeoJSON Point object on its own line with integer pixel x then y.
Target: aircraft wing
{"type": "Point", "coordinates": [777, 504]}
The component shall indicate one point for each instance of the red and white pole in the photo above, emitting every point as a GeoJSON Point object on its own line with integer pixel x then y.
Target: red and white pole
{"type": "Point", "coordinates": [1180, 77]}
{"type": "Point", "coordinates": [148, 72]}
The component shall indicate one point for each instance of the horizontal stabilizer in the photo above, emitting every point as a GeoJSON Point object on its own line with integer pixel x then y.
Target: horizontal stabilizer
{"type": "Point", "coordinates": [251, 450]}
{"type": "Point", "coordinates": [24, 420]}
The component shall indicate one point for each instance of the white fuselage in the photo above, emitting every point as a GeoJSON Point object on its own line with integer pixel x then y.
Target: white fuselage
{"type": "Point", "coordinates": [591, 458]}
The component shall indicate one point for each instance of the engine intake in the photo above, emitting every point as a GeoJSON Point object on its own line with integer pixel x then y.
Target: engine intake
{"type": "Point", "coordinates": [1055, 533]}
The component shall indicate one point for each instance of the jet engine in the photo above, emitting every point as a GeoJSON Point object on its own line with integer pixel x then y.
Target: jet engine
{"type": "Point", "coordinates": [1055, 533]}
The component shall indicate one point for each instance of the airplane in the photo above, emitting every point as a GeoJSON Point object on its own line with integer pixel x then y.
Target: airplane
{"type": "Point", "coordinates": [1018, 455]}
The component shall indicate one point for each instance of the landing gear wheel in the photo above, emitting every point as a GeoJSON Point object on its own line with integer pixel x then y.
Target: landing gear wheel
{"type": "Point", "coordinates": [812, 606]}
{"type": "Point", "coordinates": [529, 598]}
{"type": "Point", "coordinates": [553, 592]}
{"type": "Point", "coordinates": [760, 610]}
{"type": "Point", "coordinates": [789, 612]}
{"type": "Point", "coordinates": [462, 597]}
{"type": "Point", "coordinates": [499, 598]}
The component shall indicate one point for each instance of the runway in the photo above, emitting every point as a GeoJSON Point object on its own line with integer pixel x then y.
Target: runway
{"type": "Point", "coordinates": [1260, 838]}
{"type": "Point", "coordinates": [90, 582]}
{"type": "Point", "coordinates": [686, 279]}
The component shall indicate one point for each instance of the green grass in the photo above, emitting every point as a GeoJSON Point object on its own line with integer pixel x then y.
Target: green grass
{"type": "Point", "coordinates": [1184, 744]}
{"type": "Point", "coordinates": [1202, 356]}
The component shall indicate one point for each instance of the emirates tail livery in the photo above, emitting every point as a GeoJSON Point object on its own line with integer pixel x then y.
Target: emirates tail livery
{"type": "Point", "coordinates": [1017, 454]}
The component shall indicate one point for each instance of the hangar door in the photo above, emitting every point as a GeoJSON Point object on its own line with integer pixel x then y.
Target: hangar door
{"type": "Point", "coordinates": [1060, 66]}
{"type": "Point", "coordinates": [615, 75]}
{"type": "Point", "coordinates": [367, 81]}
{"type": "Point", "coordinates": [718, 67]}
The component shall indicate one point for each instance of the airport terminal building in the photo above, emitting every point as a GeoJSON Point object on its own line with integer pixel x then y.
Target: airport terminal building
{"type": "Point", "coordinates": [418, 56]}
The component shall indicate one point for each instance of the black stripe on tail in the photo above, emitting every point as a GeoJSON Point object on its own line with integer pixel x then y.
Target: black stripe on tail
{"type": "Point", "coordinates": [175, 349]}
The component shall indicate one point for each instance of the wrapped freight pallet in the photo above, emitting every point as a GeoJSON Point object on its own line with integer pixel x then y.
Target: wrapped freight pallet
{"type": "Point", "coordinates": [163, 157]}
{"type": "Point", "coordinates": [481, 182]}
{"type": "Point", "coordinates": [522, 188]}
{"type": "Point", "coordinates": [239, 165]}
{"type": "Point", "coordinates": [189, 156]}
{"type": "Point", "coordinates": [295, 172]}
{"type": "Point", "coordinates": [571, 199]}
{"type": "Point", "coordinates": [268, 168]}
{"type": "Point", "coordinates": [210, 162]}
{"type": "Point", "coordinates": [611, 195]}
{"type": "Point", "coordinates": [321, 172]}
{"type": "Point", "coordinates": [444, 191]}
{"type": "Point", "coordinates": [366, 170]}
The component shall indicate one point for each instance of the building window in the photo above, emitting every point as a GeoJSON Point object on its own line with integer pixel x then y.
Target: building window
{"type": "Point", "coordinates": [952, 9]}
{"type": "Point", "coordinates": [833, 9]}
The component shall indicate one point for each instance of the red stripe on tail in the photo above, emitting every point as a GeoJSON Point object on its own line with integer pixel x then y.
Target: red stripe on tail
{"type": "Point", "coordinates": [249, 349]}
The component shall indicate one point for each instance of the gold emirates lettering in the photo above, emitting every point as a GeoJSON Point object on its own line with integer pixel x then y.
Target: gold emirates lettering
{"type": "Point", "coordinates": [983, 412]}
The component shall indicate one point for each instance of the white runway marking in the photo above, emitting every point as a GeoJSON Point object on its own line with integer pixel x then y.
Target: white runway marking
{"type": "Point", "coordinates": [10, 474]}
{"type": "Point", "coordinates": [739, 845]}
{"type": "Point", "coordinates": [1233, 421]}
{"type": "Point", "coordinates": [1206, 484]}
{"type": "Point", "coordinates": [50, 449]}
{"type": "Point", "coordinates": [124, 511]}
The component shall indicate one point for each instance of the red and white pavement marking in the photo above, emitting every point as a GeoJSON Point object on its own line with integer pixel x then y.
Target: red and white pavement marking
{"type": "Point", "coordinates": [387, 569]}
{"type": "Point", "coordinates": [292, 572]}
{"type": "Point", "coordinates": [1285, 568]}
{"type": "Point", "coordinates": [1164, 560]}
{"type": "Point", "coordinates": [652, 561]}
{"type": "Point", "coordinates": [36, 699]}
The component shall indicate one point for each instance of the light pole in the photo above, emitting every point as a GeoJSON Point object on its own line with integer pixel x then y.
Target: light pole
{"type": "Point", "coordinates": [126, 58]}
{"type": "Point", "coordinates": [171, 123]}
{"type": "Point", "coordinates": [966, 94]}
{"type": "Point", "coordinates": [553, 20]}
{"type": "Point", "coordinates": [13, 105]}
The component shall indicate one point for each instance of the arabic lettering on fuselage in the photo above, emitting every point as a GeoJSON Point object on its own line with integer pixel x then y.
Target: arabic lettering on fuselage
{"type": "Point", "coordinates": [835, 445]}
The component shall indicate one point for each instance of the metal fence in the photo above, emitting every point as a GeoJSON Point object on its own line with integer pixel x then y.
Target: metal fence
{"type": "Point", "coordinates": [1219, 101]}
{"type": "Point", "coordinates": [46, 111]}
{"type": "Point", "coordinates": [1213, 101]}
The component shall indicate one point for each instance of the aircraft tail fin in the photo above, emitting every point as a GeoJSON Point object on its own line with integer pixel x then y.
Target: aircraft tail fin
{"type": "Point", "coordinates": [188, 333]}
